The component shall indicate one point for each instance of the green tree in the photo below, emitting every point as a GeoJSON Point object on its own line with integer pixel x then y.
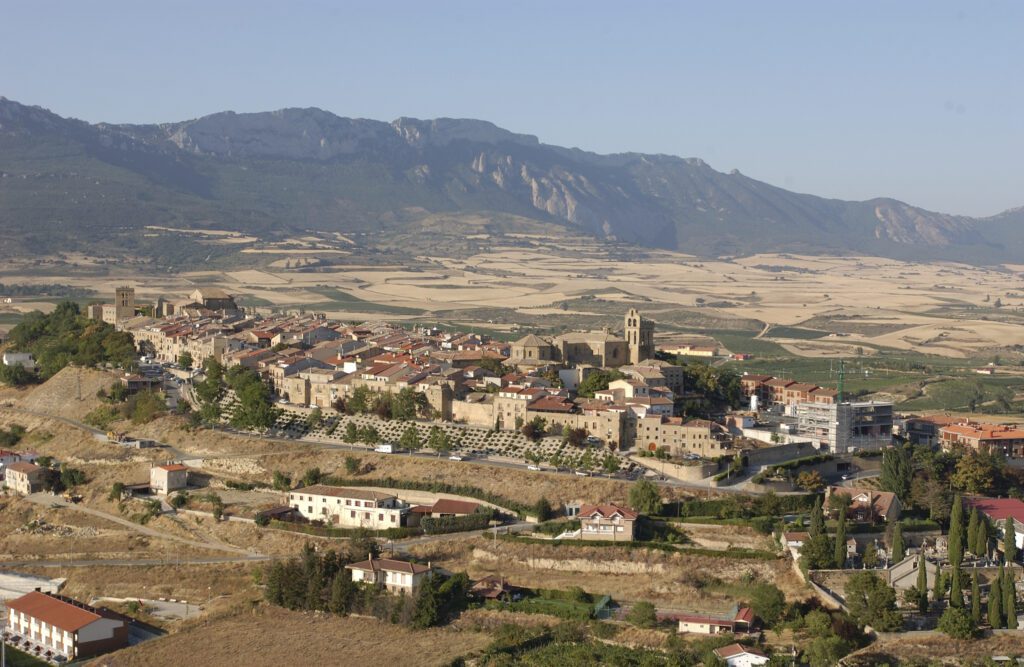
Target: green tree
{"type": "Point", "coordinates": [975, 600]}
{"type": "Point", "coordinates": [899, 547]}
{"type": "Point", "coordinates": [768, 603]}
{"type": "Point", "coordinates": [281, 482]}
{"type": "Point", "coordinates": [351, 432]}
{"type": "Point", "coordinates": [840, 546]}
{"type": "Point", "coordinates": [645, 497]}
{"type": "Point", "coordinates": [351, 465]}
{"type": "Point", "coordinates": [542, 509]}
{"type": "Point", "coordinates": [826, 651]}
{"type": "Point", "coordinates": [810, 481]}
{"type": "Point", "coordinates": [314, 418]}
{"type": "Point", "coordinates": [116, 491]}
{"type": "Point", "coordinates": [977, 472]}
{"type": "Point", "coordinates": [817, 522]}
{"type": "Point", "coordinates": [426, 612]}
{"type": "Point", "coordinates": [643, 615]}
{"type": "Point", "coordinates": [939, 585]}
{"type": "Point", "coordinates": [1009, 540]}
{"type": "Point", "coordinates": [896, 471]}
{"type": "Point", "coordinates": [817, 553]}
{"type": "Point", "coordinates": [995, 600]}
{"type": "Point", "coordinates": [312, 476]}
{"type": "Point", "coordinates": [972, 531]}
{"type": "Point", "coordinates": [955, 538]}
{"type": "Point", "coordinates": [410, 439]}
{"type": "Point", "coordinates": [343, 591]}
{"type": "Point", "coordinates": [370, 435]}
{"type": "Point", "coordinates": [981, 547]}
{"type": "Point", "coordinates": [872, 602]}
{"type": "Point", "coordinates": [956, 591]}
{"type": "Point", "coordinates": [185, 360]}
{"type": "Point", "coordinates": [870, 557]}
{"type": "Point", "coordinates": [922, 584]}
{"type": "Point", "coordinates": [1009, 600]}
{"type": "Point", "coordinates": [956, 623]}
{"type": "Point", "coordinates": [597, 381]}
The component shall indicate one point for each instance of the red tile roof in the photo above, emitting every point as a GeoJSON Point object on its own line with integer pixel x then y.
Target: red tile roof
{"type": "Point", "coordinates": [53, 611]}
{"type": "Point", "coordinates": [448, 506]}
{"type": "Point", "coordinates": [733, 650]}
{"type": "Point", "coordinates": [997, 508]}
{"type": "Point", "coordinates": [607, 510]}
{"type": "Point", "coordinates": [173, 467]}
{"type": "Point", "coordinates": [389, 565]}
{"type": "Point", "coordinates": [24, 466]}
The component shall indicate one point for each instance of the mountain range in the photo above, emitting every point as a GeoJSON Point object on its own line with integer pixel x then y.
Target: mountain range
{"type": "Point", "coordinates": [66, 184]}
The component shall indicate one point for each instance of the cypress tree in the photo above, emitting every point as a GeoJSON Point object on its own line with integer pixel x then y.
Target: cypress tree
{"type": "Point", "coordinates": [896, 471]}
{"type": "Point", "coordinates": [840, 546]}
{"type": "Point", "coordinates": [972, 532]}
{"type": "Point", "coordinates": [995, 601]}
{"type": "Point", "coordinates": [939, 589]}
{"type": "Point", "coordinates": [1009, 540]}
{"type": "Point", "coordinates": [975, 600]}
{"type": "Point", "coordinates": [995, 607]}
{"type": "Point", "coordinates": [1009, 600]}
{"type": "Point", "coordinates": [817, 526]}
{"type": "Point", "coordinates": [899, 549]}
{"type": "Point", "coordinates": [922, 584]}
{"type": "Point", "coordinates": [955, 538]}
{"type": "Point", "coordinates": [981, 549]}
{"type": "Point", "coordinates": [956, 591]}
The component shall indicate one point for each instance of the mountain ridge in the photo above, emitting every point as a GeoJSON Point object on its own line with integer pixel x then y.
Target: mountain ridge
{"type": "Point", "coordinates": [306, 168]}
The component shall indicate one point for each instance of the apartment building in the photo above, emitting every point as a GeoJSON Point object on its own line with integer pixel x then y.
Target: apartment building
{"type": "Point", "coordinates": [62, 627]}
{"type": "Point", "coordinates": [395, 576]}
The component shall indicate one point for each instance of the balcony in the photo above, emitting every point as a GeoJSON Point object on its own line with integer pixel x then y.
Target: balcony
{"type": "Point", "coordinates": [34, 648]}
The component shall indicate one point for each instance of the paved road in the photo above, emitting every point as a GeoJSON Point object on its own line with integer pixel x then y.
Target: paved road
{"type": "Point", "coordinates": [47, 500]}
{"type": "Point", "coordinates": [123, 562]}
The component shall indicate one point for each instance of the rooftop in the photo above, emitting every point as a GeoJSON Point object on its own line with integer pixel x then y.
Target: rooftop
{"type": "Point", "coordinates": [342, 492]}
{"type": "Point", "coordinates": [54, 611]}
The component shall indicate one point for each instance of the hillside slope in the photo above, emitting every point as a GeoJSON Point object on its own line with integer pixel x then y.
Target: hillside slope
{"type": "Point", "coordinates": [65, 183]}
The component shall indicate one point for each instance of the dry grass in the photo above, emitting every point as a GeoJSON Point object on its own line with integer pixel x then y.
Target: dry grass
{"type": "Point", "coordinates": [272, 636]}
{"type": "Point", "coordinates": [937, 649]}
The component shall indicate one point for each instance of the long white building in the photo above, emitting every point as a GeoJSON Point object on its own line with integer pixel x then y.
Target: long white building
{"type": "Point", "coordinates": [348, 508]}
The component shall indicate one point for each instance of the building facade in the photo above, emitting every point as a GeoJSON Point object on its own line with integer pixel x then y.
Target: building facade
{"type": "Point", "coordinates": [607, 522]}
{"type": "Point", "coordinates": [845, 427]}
{"type": "Point", "coordinates": [24, 478]}
{"type": "Point", "coordinates": [395, 576]}
{"type": "Point", "coordinates": [348, 508]}
{"type": "Point", "coordinates": [64, 626]}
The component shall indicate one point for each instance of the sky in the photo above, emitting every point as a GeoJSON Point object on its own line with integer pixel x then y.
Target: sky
{"type": "Point", "coordinates": [918, 100]}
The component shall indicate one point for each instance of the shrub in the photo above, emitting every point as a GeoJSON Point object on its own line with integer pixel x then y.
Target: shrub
{"type": "Point", "coordinates": [643, 615]}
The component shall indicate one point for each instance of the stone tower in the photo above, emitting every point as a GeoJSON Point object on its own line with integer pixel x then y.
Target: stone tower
{"type": "Point", "coordinates": [639, 333]}
{"type": "Point", "coordinates": [124, 303]}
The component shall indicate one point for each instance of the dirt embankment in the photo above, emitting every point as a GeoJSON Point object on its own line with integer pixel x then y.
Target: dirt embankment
{"type": "Point", "coordinates": [71, 393]}
{"type": "Point", "coordinates": [271, 636]}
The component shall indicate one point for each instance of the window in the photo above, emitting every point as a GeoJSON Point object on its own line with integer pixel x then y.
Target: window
{"type": "Point", "coordinates": [309, 509]}
{"type": "Point", "coordinates": [380, 517]}
{"type": "Point", "coordinates": [392, 518]}
{"type": "Point", "coordinates": [352, 514]}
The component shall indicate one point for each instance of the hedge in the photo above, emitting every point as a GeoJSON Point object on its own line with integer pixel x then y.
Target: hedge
{"type": "Point", "coordinates": [455, 524]}
{"type": "Point", "coordinates": [738, 508]}
{"type": "Point", "coordinates": [434, 487]}
{"type": "Point", "coordinates": [328, 531]}
{"type": "Point", "coordinates": [807, 460]}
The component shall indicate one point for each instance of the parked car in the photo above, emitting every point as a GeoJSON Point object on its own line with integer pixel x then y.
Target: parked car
{"type": "Point", "coordinates": [533, 467]}
{"type": "Point", "coordinates": [454, 457]}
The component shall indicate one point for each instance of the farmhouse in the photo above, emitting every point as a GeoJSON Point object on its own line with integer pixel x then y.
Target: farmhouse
{"type": "Point", "coordinates": [607, 522]}
{"type": "Point", "coordinates": [740, 619]}
{"type": "Point", "coordinates": [24, 477]}
{"type": "Point", "coordinates": [348, 508]}
{"type": "Point", "coordinates": [169, 477]}
{"type": "Point", "coordinates": [395, 576]}
{"type": "Point", "coordinates": [62, 627]}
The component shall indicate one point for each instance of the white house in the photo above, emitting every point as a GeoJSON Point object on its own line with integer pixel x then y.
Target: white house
{"type": "Point", "coordinates": [396, 576]}
{"type": "Point", "coordinates": [166, 478]}
{"type": "Point", "coordinates": [737, 655]}
{"type": "Point", "coordinates": [24, 358]}
{"type": "Point", "coordinates": [349, 508]}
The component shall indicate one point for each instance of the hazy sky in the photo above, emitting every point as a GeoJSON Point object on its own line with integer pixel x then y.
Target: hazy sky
{"type": "Point", "coordinates": [923, 101]}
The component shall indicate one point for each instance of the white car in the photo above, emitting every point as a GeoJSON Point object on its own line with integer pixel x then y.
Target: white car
{"type": "Point", "coordinates": [533, 467]}
{"type": "Point", "coordinates": [454, 457]}
{"type": "Point", "coordinates": [583, 473]}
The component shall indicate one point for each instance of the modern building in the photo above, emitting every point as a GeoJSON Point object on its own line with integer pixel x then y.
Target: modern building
{"type": "Point", "coordinates": [607, 522]}
{"type": "Point", "coordinates": [843, 428]}
{"type": "Point", "coordinates": [395, 576]}
{"type": "Point", "coordinates": [63, 628]}
{"type": "Point", "coordinates": [169, 477]}
{"type": "Point", "coordinates": [23, 359]}
{"type": "Point", "coordinates": [348, 508]}
{"type": "Point", "coordinates": [24, 477]}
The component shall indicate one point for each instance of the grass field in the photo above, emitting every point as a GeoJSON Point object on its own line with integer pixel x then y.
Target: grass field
{"type": "Point", "coordinates": [271, 636]}
{"type": "Point", "coordinates": [338, 299]}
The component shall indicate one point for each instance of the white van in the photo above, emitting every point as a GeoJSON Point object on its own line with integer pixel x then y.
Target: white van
{"type": "Point", "coordinates": [384, 449]}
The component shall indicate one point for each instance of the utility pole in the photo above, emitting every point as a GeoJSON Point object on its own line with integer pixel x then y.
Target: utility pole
{"type": "Point", "coordinates": [842, 376]}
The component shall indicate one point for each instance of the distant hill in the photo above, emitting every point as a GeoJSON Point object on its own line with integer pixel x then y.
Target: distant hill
{"type": "Point", "coordinates": [66, 184]}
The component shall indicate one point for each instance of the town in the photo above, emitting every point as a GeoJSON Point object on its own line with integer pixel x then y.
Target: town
{"type": "Point", "coordinates": [883, 521]}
